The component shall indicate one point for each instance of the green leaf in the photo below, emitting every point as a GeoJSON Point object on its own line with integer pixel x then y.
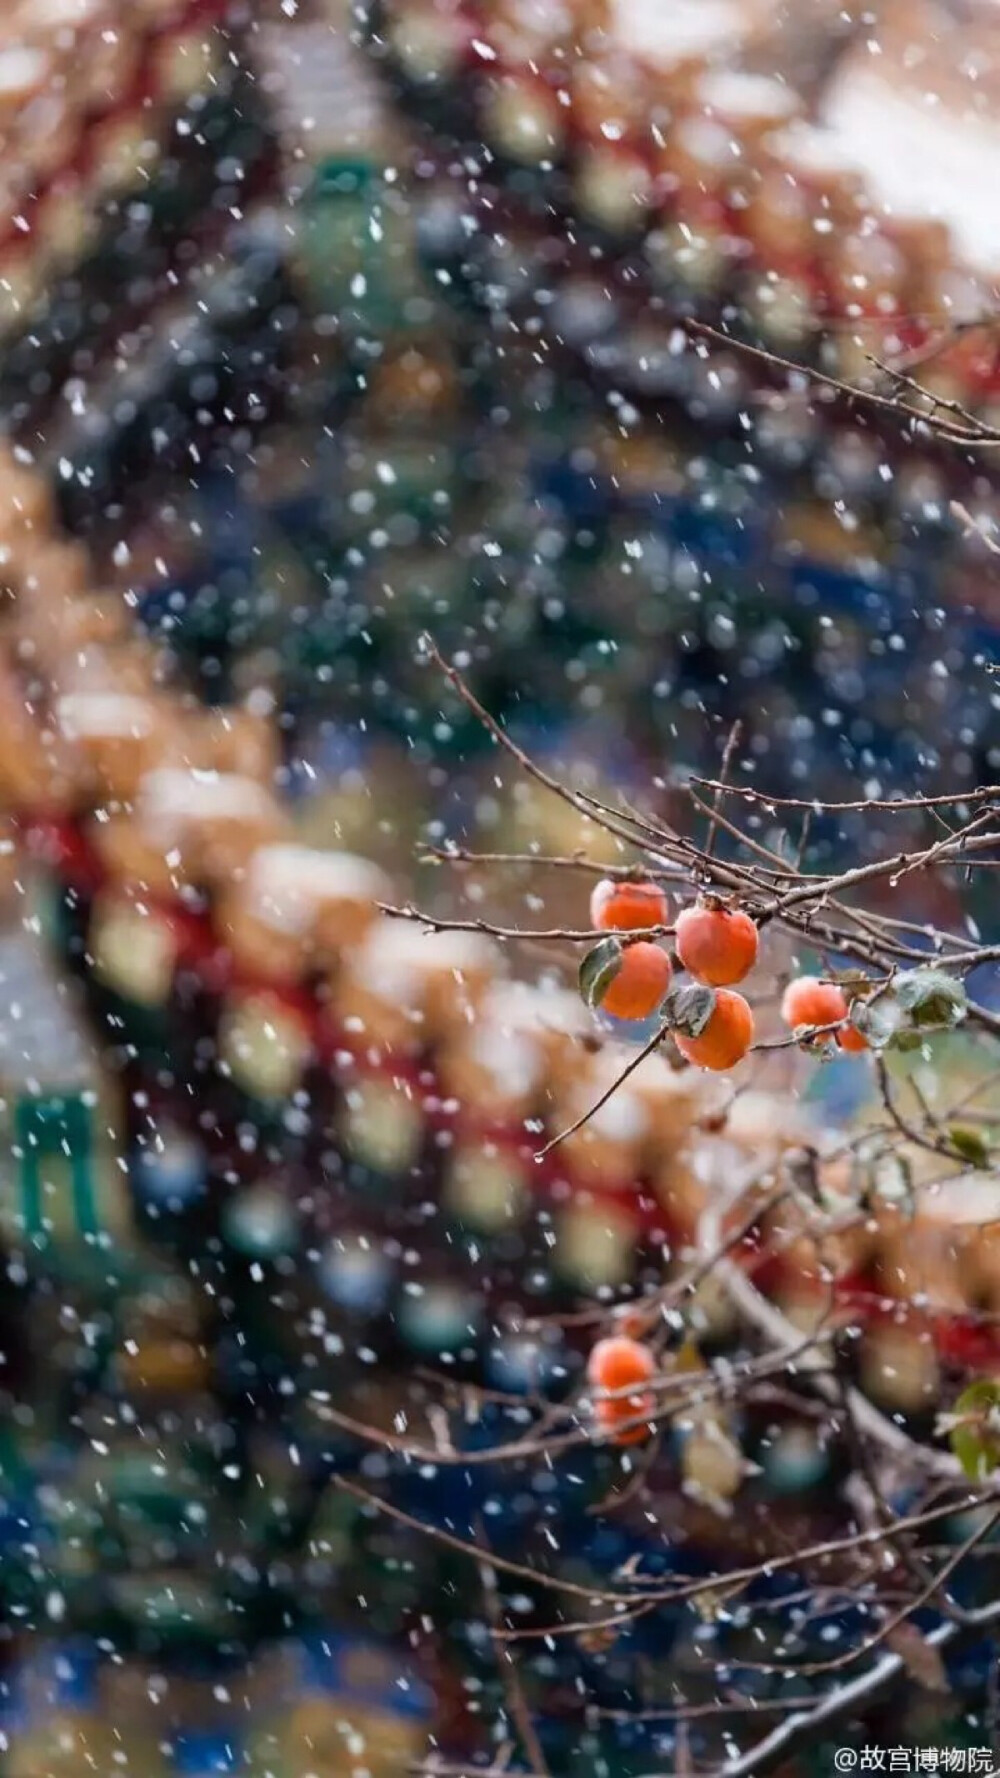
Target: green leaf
{"type": "Point", "coordinates": [689, 1008]}
{"type": "Point", "coordinates": [976, 1442]}
{"type": "Point", "coordinates": [877, 1021]}
{"type": "Point", "coordinates": [970, 1145]}
{"type": "Point", "coordinates": [598, 970]}
{"type": "Point", "coordinates": [931, 997]}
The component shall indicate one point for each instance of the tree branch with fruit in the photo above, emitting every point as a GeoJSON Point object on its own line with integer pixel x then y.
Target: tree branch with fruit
{"type": "Point", "coordinates": [886, 986]}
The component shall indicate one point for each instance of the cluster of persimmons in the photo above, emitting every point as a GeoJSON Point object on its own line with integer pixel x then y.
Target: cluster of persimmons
{"type": "Point", "coordinates": [631, 977]}
{"type": "Point", "coordinates": [717, 945]}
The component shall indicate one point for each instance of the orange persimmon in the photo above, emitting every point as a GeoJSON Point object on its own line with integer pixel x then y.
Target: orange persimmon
{"type": "Point", "coordinates": [717, 946]}
{"type": "Point", "coordinates": [640, 983]}
{"type": "Point", "coordinates": [726, 1037]}
{"type": "Point", "coordinates": [614, 1364]}
{"type": "Point", "coordinates": [625, 906]}
{"type": "Point", "coordinates": [808, 1001]}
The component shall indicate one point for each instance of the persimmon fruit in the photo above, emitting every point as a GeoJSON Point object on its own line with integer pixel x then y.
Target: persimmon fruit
{"type": "Point", "coordinates": [617, 1363]}
{"type": "Point", "coordinates": [717, 946]}
{"type": "Point", "coordinates": [610, 1418]}
{"type": "Point", "coordinates": [626, 906]}
{"type": "Point", "coordinates": [808, 1001]}
{"type": "Point", "coordinates": [638, 987]}
{"type": "Point", "coordinates": [726, 1037]}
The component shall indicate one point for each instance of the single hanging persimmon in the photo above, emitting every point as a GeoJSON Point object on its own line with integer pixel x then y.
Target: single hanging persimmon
{"type": "Point", "coordinates": [629, 981]}
{"type": "Point", "coordinates": [625, 906]}
{"type": "Point", "coordinates": [609, 1416]}
{"type": "Point", "coordinates": [718, 946]}
{"type": "Point", "coordinates": [616, 1364]}
{"type": "Point", "coordinates": [726, 1037]}
{"type": "Point", "coordinates": [808, 1001]}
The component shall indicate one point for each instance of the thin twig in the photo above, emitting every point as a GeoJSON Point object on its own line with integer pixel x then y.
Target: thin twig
{"type": "Point", "coordinates": [975, 527]}
{"type": "Point", "coordinates": [517, 934]}
{"type": "Point", "coordinates": [958, 433]}
{"type": "Point", "coordinates": [933, 1586]}
{"type": "Point", "coordinates": [507, 1661]}
{"type": "Point", "coordinates": [841, 1702]}
{"type": "Point", "coordinates": [816, 1364]}
{"type": "Point", "coordinates": [609, 1092]}
{"type": "Point", "coordinates": [584, 805]}
{"type": "Point", "coordinates": [732, 743]}
{"type": "Point", "coordinates": [818, 806]}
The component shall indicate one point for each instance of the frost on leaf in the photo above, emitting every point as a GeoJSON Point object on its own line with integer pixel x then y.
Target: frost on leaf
{"type": "Point", "coordinates": [598, 970]}
{"type": "Point", "coordinates": [931, 997]}
{"type": "Point", "coordinates": [689, 1008]}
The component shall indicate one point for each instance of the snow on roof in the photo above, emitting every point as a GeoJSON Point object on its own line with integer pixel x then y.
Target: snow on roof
{"type": "Point", "coordinates": [286, 882]}
{"type": "Point", "coordinates": [666, 34]}
{"type": "Point", "coordinates": [921, 157]}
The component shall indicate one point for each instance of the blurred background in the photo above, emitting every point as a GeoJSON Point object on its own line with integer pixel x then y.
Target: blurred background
{"type": "Point", "coordinates": [321, 329]}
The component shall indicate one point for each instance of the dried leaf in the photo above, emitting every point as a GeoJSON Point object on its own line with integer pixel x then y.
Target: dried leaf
{"type": "Point", "coordinates": [708, 1602]}
{"type": "Point", "coordinates": [920, 1658]}
{"type": "Point", "coordinates": [851, 980]}
{"type": "Point", "coordinates": [687, 1359]}
{"type": "Point", "coordinates": [440, 1426]}
{"type": "Point", "coordinates": [598, 1640]}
